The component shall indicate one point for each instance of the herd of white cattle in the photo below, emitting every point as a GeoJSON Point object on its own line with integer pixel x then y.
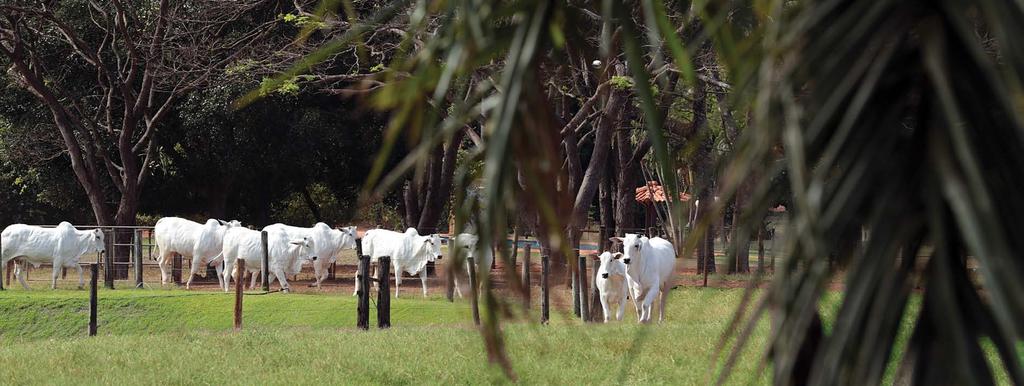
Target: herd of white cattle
{"type": "Point", "coordinates": [641, 272]}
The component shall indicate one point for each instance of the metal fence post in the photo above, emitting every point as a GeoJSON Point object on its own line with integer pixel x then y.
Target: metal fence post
{"type": "Point", "coordinates": [265, 272]}
{"type": "Point", "coordinates": [95, 270]}
{"type": "Point", "coordinates": [137, 250]}
{"type": "Point", "coordinates": [384, 292]}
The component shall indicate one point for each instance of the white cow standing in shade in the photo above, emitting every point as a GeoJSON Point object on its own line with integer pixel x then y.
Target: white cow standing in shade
{"type": "Point", "coordinates": [62, 246]}
{"type": "Point", "coordinates": [611, 284]}
{"type": "Point", "coordinates": [409, 252]}
{"type": "Point", "coordinates": [328, 244]}
{"type": "Point", "coordinates": [282, 251]}
{"type": "Point", "coordinates": [649, 266]}
{"type": "Point", "coordinates": [203, 243]}
{"type": "Point", "coordinates": [469, 244]}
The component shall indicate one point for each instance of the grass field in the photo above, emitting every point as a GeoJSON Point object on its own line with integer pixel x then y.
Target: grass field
{"type": "Point", "coordinates": [179, 337]}
{"type": "Point", "coordinates": [170, 336]}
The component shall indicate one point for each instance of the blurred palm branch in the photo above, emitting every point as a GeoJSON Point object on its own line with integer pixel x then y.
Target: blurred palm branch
{"type": "Point", "coordinates": [898, 119]}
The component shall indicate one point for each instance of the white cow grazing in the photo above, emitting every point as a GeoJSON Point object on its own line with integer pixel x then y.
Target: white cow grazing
{"type": "Point", "coordinates": [328, 245]}
{"type": "Point", "coordinates": [62, 246]}
{"type": "Point", "coordinates": [282, 250]}
{"type": "Point", "coordinates": [408, 251]}
{"type": "Point", "coordinates": [200, 242]}
{"type": "Point", "coordinates": [611, 284]}
{"type": "Point", "coordinates": [469, 244]}
{"type": "Point", "coordinates": [649, 266]}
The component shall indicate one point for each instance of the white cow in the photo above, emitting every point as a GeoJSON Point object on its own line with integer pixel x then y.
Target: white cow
{"type": "Point", "coordinates": [200, 242]}
{"type": "Point", "coordinates": [408, 251]}
{"type": "Point", "coordinates": [62, 246]}
{"type": "Point", "coordinates": [611, 284]}
{"type": "Point", "coordinates": [328, 245]}
{"type": "Point", "coordinates": [283, 251]}
{"type": "Point", "coordinates": [649, 267]}
{"type": "Point", "coordinates": [469, 243]}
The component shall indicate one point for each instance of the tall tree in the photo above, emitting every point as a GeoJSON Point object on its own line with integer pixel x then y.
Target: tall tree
{"type": "Point", "coordinates": [128, 64]}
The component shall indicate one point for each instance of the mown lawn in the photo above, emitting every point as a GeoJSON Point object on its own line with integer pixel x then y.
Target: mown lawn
{"type": "Point", "coordinates": [178, 337]}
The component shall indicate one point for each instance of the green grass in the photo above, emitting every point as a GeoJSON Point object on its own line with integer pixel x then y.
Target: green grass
{"type": "Point", "coordinates": [170, 336]}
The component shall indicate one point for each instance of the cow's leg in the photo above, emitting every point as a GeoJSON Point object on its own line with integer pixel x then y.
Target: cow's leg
{"type": "Point", "coordinates": [604, 306]}
{"type": "Point", "coordinates": [458, 290]}
{"type": "Point", "coordinates": [223, 280]}
{"type": "Point", "coordinates": [284, 280]}
{"type": "Point", "coordinates": [649, 301]}
{"type": "Point", "coordinates": [622, 305]}
{"type": "Point", "coordinates": [634, 295]}
{"type": "Point", "coordinates": [197, 261]}
{"type": "Point", "coordinates": [224, 274]}
{"type": "Point", "coordinates": [398, 282]}
{"type": "Point", "coordinates": [376, 272]}
{"type": "Point", "coordinates": [423, 279]}
{"type": "Point", "coordinates": [56, 274]}
{"type": "Point", "coordinates": [255, 274]}
{"type": "Point", "coordinates": [165, 268]}
{"type": "Point", "coordinates": [81, 276]}
{"type": "Point", "coordinates": [664, 299]}
{"type": "Point", "coordinates": [20, 270]}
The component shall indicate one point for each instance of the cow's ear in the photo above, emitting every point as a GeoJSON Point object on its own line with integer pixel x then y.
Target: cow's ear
{"type": "Point", "coordinates": [595, 256]}
{"type": "Point", "coordinates": [297, 242]}
{"type": "Point", "coordinates": [617, 240]}
{"type": "Point", "coordinates": [617, 255]}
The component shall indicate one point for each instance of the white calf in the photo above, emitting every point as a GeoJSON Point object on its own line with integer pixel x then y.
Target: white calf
{"type": "Point", "coordinates": [62, 246]}
{"type": "Point", "coordinates": [611, 284]}
{"type": "Point", "coordinates": [649, 266]}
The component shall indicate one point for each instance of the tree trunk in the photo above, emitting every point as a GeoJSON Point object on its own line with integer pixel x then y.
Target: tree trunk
{"type": "Point", "coordinates": [314, 209]}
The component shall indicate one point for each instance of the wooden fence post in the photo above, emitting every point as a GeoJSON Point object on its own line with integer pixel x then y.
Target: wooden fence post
{"type": "Point", "coordinates": [330, 271]}
{"type": "Point", "coordinates": [240, 275]}
{"type": "Point", "coordinates": [545, 290]}
{"type": "Point", "coordinates": [473, 291]}
{"type": "Point", "coordinates": [176, 268]}
{"type": "Point", "coordinates": [95, 271]}
{"type": "Point", "coordinates": [265, 272]}
{"type": "Point", "coordinates": [526, 277]}
{"type": "Point", "coordinates": [10, 269]}
{"type": "Point", "coordinates": [137, 250]}
{"type": "Point", "coordinates": [581, 266]}
{"type": "Point", "coordinates": [363, 285]}
{"type": "Point", "coordinates": [596, 312]}
{"type": "Point", "coordinates": [384, 293]}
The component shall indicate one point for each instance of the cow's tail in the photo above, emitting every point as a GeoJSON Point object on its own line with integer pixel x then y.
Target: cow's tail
{"type": "Point", "coordinates": [217, 259]}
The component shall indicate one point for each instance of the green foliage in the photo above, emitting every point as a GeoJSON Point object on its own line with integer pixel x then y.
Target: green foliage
{"type": "Point", "coordinates": [621, 82]}
{"type": "Point", "coordinates": [302, 20]}
{"type": "Point", "coordinates": [285, 86]}
{"type": "Point", "coordinates": [295, 210]}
